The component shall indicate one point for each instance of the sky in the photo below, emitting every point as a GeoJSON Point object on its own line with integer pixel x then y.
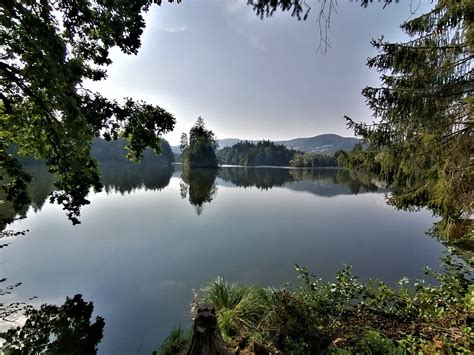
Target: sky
{"type": "Point", "coordinates": [251, 78]}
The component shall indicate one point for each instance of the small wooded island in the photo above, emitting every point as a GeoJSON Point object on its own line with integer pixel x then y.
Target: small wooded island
{"type": "Point", "coordinates": [201, 151]}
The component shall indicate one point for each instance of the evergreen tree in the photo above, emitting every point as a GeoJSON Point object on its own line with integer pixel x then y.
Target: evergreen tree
{"type": "Point", "coordinates": [422, 140]}
{"type": "Point", "coordinates": [200, 151]}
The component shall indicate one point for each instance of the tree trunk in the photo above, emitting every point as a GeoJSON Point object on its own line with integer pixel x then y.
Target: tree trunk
{"type": "Point", "coordinates": [207, 339]}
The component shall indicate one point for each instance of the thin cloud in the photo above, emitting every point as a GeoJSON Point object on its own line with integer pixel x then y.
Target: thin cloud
{"type": "Point", "coordinates": [173, 29]}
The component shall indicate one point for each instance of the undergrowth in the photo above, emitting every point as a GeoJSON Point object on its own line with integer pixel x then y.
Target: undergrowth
{"type": "Point", "coordinates": [349, 316]}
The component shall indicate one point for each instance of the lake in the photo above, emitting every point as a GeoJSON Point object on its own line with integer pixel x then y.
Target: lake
{"type": "Point", "coordinates": [155, 234]}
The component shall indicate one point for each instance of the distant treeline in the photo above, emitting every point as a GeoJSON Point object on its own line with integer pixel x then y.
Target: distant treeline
{"type": "Point", "coordinates": [269, 153]}
{"type": "Point", "coordinates": [313, 160]}
{"type": "Point", "coordinates": [115, 151]}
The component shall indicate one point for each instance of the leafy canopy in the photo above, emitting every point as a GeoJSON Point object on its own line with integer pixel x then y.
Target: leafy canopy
{"type": "Point", "coordinates": [47, 50]}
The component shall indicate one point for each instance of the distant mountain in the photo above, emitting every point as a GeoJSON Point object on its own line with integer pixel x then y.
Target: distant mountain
{"type": "Point", "coordinates": [223, 143]}
{"type": "Point", "coordinates": [228, 142]}
{"type": "Point", "coordinates": [323, 143]}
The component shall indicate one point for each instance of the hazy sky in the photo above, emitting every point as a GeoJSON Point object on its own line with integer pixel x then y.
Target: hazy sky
{"type": "Point", "coordinates": [252, 78]}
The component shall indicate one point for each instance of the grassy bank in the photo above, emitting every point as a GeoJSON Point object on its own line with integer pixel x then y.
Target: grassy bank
{"type": "Point", "coordinates": [344, 316]}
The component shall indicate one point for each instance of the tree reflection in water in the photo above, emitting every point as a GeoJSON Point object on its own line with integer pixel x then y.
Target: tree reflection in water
{"type": "Point", "coordinates": [200, 185]}
{"type": "Point", "coordinates": [51, 329]}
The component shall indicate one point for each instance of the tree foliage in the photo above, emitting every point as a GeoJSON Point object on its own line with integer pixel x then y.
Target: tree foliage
{"type": "Point", "coordinates": [200, 151]}
{"type": "Point", "coordinates": [422, 142]}
{"type": "Point", "coordinates": [48, 49]}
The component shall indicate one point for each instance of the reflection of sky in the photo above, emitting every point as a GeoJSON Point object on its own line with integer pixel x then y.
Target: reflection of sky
{"type": "Point", "coordinates": [137, 256]}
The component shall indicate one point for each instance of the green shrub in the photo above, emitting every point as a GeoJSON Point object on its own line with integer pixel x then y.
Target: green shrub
{"type": "Point", "coordinates": [371, 343]}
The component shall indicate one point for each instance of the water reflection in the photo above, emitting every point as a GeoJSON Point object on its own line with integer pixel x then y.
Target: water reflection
{"type": "Point", "coordinates": [332, 182]}
{"type": "Point", "coordinates": [151, 260]}
{"type": "Point", "coordinates": [51, 329]}
{"type": "Point", "coordinates": [38, 190]}
{"type": "Point", "coordinates": [126, 178]}
{"type": "Point", "coordinates": [262, 178]}
{"type": "Point", "coordinates": [200, 184]}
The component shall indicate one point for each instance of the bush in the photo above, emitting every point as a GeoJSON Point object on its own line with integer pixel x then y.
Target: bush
{"type": "Point", "coordinates": [348, 316]}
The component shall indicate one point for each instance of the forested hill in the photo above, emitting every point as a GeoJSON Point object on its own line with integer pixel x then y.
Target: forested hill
{"type": "Point", "coordinates": [323, 143]}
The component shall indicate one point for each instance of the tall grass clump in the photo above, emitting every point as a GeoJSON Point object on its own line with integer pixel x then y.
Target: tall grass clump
{"type": "Point", "coordinates": [239, 308]}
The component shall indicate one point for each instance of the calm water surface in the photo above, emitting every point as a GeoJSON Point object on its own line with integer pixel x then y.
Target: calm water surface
{"type": "Point", "coordinates": [155, 234]}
